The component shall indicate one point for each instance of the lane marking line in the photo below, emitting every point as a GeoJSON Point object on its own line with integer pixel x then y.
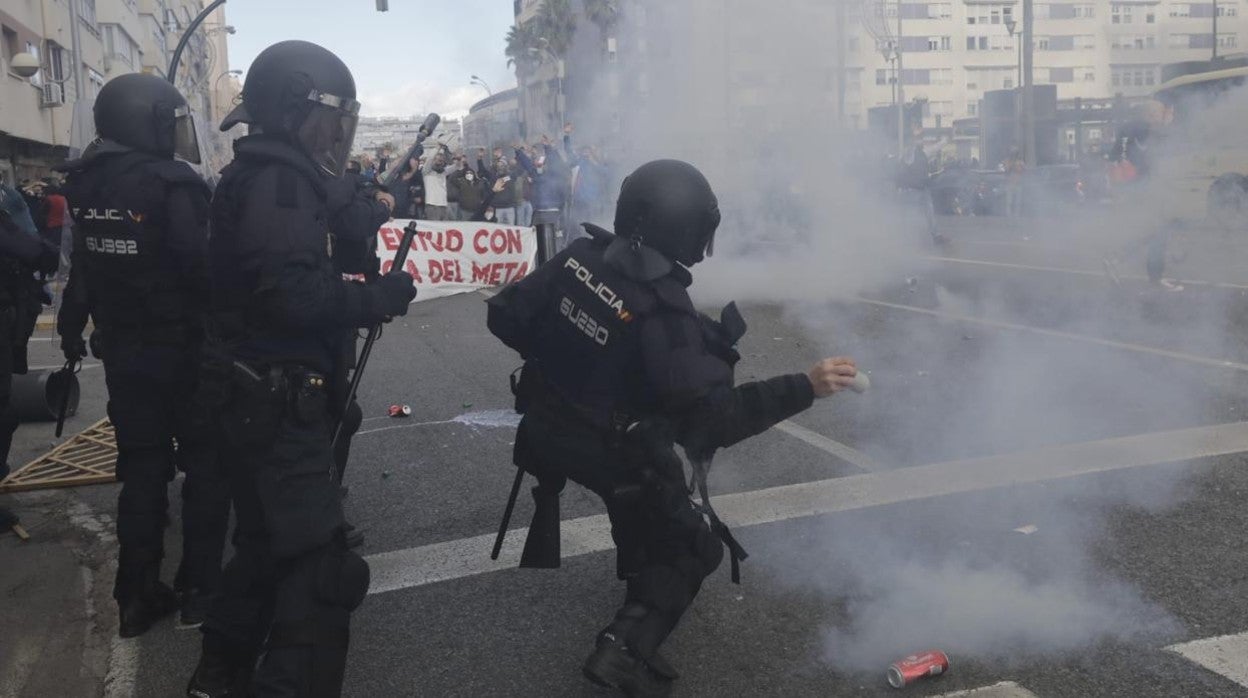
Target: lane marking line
{"type": "Point", "coordinates": [846, 453]}
{"type": "Point", "coordinates": [1082, 272]}
{"type": "Point", "coordinates": [1004, 689]}
{"type": "Point", "coordinates": [455, 559]}
{"type": "Point", "coordinates": [1226, 655]}
{"type": "Point", "coordinates": [1139, 348]}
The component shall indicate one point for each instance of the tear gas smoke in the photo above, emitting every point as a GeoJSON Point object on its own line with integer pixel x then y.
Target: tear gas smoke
{"type": "Point", "coordinates": [811, 222]}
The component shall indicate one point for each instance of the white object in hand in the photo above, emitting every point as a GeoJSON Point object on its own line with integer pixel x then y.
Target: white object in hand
{"type": "Point", "coordinates": [861, 383]}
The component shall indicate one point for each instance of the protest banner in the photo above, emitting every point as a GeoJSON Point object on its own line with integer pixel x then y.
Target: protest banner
{"type": "Point", "coordinates": [450, 257]}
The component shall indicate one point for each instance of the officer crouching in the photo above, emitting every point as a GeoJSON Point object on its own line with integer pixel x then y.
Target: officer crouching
{"type": "Point", "coordinates": [619, 367]}
{"type": "Point", "coordinates": [140, 271]}
{"type": "Point", "coordinates": [280, 311]}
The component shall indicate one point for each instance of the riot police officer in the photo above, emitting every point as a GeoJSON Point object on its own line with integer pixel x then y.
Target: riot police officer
{"type": "Point", "coordinates": [619, 366]}
{"type": "Point", "coordinates": [280, 311]}
{"type": "Point", "coordinates": [140, 270]}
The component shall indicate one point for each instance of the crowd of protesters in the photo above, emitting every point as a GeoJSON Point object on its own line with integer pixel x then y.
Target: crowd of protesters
{"type": "Point", "coordinates": [547, 185]}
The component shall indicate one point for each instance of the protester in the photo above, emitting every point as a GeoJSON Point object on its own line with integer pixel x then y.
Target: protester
{"type": "Point", "coordinates": [452, 193]}
{"type": "Point", "coordinates": [550, 175]}
{"type": "Point", "coordinates": [437, 203]}
{"type": "Point", "coordinates": [469, 191]}
{"type": "Point", "coordinates": [409, 191]}
{"type": "Point", "coordinates": [505, 197]}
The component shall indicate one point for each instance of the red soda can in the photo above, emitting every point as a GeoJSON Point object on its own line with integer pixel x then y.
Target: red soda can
{"type": "Point", "coordinates": [906, 671]}
{"type": "Point", "coordinates": [399, 411]}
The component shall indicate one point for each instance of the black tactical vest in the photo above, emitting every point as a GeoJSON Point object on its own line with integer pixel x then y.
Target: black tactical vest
{"type": "Point", "coordinates": [586, 341]}
{"type": "Point", "coordinates": [118, 207]}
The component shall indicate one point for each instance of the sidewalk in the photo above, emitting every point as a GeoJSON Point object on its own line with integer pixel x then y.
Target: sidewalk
{"type": "Point", "coordinates": [55, 598]}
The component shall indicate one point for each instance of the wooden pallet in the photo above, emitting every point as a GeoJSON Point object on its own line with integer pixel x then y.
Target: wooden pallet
{"type": "Point", "coordinates": [90, 458]}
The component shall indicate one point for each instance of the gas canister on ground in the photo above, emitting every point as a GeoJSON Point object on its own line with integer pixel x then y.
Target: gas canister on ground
{"type": "Point", "coordinates": [906, 671]}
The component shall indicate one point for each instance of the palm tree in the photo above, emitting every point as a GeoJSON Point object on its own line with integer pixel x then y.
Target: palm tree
{"type": "Point", "coordinates": [522, 47]}
{"type": "Point", "coordinates": [605, 14]}
{"type": "Point", "coordinates": [557, 25]}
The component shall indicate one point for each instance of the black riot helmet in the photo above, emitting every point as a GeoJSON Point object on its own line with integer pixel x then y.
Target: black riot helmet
{"type": "Point", "coordinates": [146, 113]}
{"type": "Point", "coordinates": [668, 205]}
{"type": "Point", "coordinates": [303, 92]}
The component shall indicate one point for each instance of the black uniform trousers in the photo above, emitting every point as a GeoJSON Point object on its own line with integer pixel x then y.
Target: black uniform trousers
{"type": "Point", "coordinates": [664, 547]}
{"type": "Point", "coordinates": [150, 383]}
{"type": "Point", "coordinates": [9, 338]}
{"type": "Point", "coordinates": [291, 582]}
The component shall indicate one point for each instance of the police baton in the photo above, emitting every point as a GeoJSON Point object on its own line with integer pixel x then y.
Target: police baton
{"type": "Point", "coordinates": [65, 376]}
{"type": "Point", "coordinates": [400, 259]}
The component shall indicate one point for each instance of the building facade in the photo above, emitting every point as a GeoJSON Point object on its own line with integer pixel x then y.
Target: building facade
{"type": "Point", "coordinates": [81, 45]}
{"type": "Point", "coordinates": [748, 61]}
{"type": "Point", "coordinates": [494, 121]}
{"type": "Point", "coordinates": [376, 133]}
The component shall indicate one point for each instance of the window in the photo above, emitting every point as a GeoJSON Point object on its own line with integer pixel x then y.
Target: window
{"type": "Point", "coordinates": [119, 45]}
{"type": "Point", "coordinates": [972, 108]}
{"type": "Point", "coordinates": [1061, 75]}
{"type": "Point", "coordinates": [1227, 41]}
{"type": "Point", "coordinates": [1120, 14]}
{"type": "Point", "coordinates": [1150, 17]}
{"type": "Point", "coordinates": [97, 83]}
{"type": "Point", "coordinates": [1180, 10]}
{"type": "Point", "coordinates": [1042, 43]}
{"type": "Point", "coordinates": [56, 62]}
{"type": "Point", "coordinates": [1007, 84]}
{"type": "Point", "coordinates": [970, 43]}
{"type": "Point", "coordinates": [86, 10]}
{"type": "Point", "coordinates": [983, 43]}
{"type": "Point", "coordinates": [1089, 75]}
{"type": "Point", "coordinates": [881, 76]}
{"type": "Point", "coordinates": [1085, 41]}
{"type": "Point", "coordinates": [995, 15]}
{"type": "Point", "coordinates": [1085, 11]}
{"type": "Point", "coordinates": [10, 44]}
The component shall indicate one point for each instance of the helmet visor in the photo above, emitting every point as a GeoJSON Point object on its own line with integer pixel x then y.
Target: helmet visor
{"type": "Point", "coordinates": [185, 139]}
{"type": "Point", "coordinates": [328, 132]}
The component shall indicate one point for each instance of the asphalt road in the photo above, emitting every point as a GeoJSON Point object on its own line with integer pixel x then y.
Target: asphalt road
{"type": "Point", "coordinates": [1001, 347]}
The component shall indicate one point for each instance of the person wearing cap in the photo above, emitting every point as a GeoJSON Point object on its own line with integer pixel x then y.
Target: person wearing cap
{"type": "Point", "coordinates": [279, 316]}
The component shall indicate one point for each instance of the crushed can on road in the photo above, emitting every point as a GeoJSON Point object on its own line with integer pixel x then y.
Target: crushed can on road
{"type": "Point", "coordinates": [906, 671]}
{"type": "Point", "coordinates": [400, 411]}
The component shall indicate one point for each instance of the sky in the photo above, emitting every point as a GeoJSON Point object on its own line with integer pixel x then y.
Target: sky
{"type": "Point", "coordinates": [416, 58]}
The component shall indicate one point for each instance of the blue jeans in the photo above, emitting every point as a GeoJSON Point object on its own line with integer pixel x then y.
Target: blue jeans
{"type": "Point", "coordinates": [524, 214]}
{"type": "Point", "coordinates": [506, 216]}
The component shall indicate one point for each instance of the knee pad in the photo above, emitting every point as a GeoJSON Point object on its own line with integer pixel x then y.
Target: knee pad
{"type": "Point", "coordinates": [342, 578]}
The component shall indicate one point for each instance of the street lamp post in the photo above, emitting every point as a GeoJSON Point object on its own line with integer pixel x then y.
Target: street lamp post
{"type": "Point", "coordinates": [901, 92]}
{"type": "Point", "coordinates": [1011, 26]}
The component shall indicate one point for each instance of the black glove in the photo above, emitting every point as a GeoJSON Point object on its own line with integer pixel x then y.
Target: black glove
{"type": "Point", "coordinates": [396, 292]}
{"type": "Point", "coordinates": [73, 347]}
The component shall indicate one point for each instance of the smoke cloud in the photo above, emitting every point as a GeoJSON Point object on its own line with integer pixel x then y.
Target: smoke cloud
{"type": "Point", "coordinates": [811, 224]}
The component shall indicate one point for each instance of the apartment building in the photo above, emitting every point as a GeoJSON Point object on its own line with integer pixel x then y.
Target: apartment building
{"type": "Point", "coordinates": [953, 52]}
{"type": "Point", "coordinates": [756, 63]}
{"type": "Point", "coordinates": [80, 45]}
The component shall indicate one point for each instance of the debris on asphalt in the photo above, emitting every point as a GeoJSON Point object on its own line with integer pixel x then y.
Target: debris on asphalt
{"type": "Point", "coordinates": [466, 406]}
{"type": "Point", "coordinates": [1171, 285]}
{"type": "Point", "coordinates": [385, 474]}
{"type": "Point", "coordinates": [968, 336]}
{"type": "Point", "coordinates": [1026, 530]}
{"type": "Point", "coordinates": [906, 671]}
{"type": "Point", "coordinates": [400, 411]}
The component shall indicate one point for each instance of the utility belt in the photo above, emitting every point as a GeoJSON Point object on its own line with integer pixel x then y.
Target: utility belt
{"type": "Point", "coordinates": [255, 400]}
{"type": "Point", "coordinates": [172, 332]}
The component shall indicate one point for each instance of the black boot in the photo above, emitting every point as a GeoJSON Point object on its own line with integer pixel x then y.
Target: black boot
{"type": "Point", "coordinates": [224, 669]}
{"type": "Point", "coordinates": [195, 605]}
{"type": "Point", "coordinates": [613, 664]}
{"type": "Point", "coordinates": [150, 601]}
{"type": "Point", "coordinates": [140, 612]}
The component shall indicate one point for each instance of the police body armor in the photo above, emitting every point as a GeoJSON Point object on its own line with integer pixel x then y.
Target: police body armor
{"type": "Point", "coordinates": [118, 204]}
{"type": "Point", "coordinates": [584, 353]}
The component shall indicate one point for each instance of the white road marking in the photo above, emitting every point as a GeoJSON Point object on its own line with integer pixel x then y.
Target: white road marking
{"type": "Point", "coordinates": [413, 567]}
{"type": "Point", "coordinates": [1082, 272]}
{"type": "Point", "coordinates": [846, 453]}
{"type": "Point", "coordinates": [1191, 358]}
{"type": "Point", "coordinates": [1226, 655]}
{"type": "Point", "coordinates": [1005, 689]}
